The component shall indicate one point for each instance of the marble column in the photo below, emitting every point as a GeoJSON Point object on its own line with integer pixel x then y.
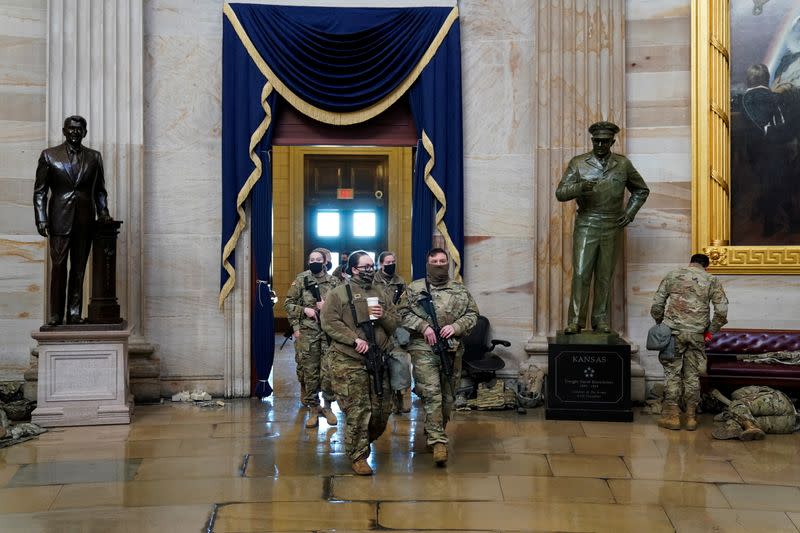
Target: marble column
{"type": "Point", "coordinates": [579, 73]}
{"type": "Point", "coordinates": [94, 69]}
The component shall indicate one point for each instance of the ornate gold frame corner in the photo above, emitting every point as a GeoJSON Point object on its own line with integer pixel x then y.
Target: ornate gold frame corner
{"type": "Point", "coordinates": [711, 152]}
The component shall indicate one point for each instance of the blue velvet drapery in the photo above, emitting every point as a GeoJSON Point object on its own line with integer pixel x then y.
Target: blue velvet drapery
{"type": "Point", "coordinates": [339, 66]}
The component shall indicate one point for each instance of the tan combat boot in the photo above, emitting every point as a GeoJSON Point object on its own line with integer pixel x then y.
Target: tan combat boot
{"type": "Point", "coordinates": [313, 417]}
{"type": "Point", "coordinates": [751, 432]}
{"type": "Point", "coordinates": [407, 400]}
{"type": "Point", "coordinates": [670, 417]}
{"type": "Point", "coordinates": [361, 467]}
{"type": "Point", "coordinates": [691, 418]}
{"type": "Point", "coordinates": [440, 454]}
{"type": "Point", "coordinates": [330, 416]}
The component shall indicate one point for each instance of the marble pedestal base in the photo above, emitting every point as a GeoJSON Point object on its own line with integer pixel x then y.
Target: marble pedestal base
{"type": "Point", "coordinates": [83, 377]}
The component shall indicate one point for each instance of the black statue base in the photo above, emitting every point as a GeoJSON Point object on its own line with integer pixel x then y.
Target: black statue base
{"type": "Point", "coordinates": [87, 327]}
{"type": "Point", "coordinates": [589, 381]}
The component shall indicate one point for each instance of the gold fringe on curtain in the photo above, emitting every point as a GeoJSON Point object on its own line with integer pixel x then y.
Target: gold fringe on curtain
{"type": "Point", "coordinates": [330, 117]}
{"type": "Point", "coordinates": [244, 192]}
{"type": "Point", "coordinates": [438, 193]}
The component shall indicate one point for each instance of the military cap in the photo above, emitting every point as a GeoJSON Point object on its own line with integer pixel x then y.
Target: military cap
{"type": "Point", "coordinates": [603, 129]}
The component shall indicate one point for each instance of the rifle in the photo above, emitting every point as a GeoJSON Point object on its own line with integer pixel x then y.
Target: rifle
{"type": "Point", "coordinates": [440, 348]}
{"type": "Point", "coordinates": [313, 288]}
{"type": "Point", "coordinates": [398, 292]}
{"type": "Point", "coordinates": [288, 334]}
{"type": "Point", "coordinates": [375, 358]}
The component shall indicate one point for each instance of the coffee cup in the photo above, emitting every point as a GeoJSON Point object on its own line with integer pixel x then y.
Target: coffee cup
{"type": "Point", "coordinates": [373, 301]}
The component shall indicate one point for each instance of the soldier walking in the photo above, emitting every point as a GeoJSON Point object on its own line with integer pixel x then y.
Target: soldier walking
{"type": "Point", "coordinates": [303, 303]}
{"type": "Point", "coordinates": [359, 331]}
{"type": "Point", "coordinates": [400, 362]}
{"type": "Point", "coordinates": [437, 311]}
{"type": "Point", "coordinates": [683, 302]}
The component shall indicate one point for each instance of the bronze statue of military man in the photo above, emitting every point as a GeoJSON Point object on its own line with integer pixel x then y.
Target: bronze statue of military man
{"type": "Point", "coordinates": [72, 176]}
{"type": "Point", "coordinates": [597, 181]}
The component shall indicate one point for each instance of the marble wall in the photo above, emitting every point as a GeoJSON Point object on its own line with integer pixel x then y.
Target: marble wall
{"type": "Point", "coordinates": [23, 63]}
{"type": "Point", "coordinates": [659, 143]}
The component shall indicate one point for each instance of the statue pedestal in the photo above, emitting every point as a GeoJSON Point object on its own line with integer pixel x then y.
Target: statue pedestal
{"type": "Point", "coordinates": [83, 376]}
{"type": "Point", "coordinates": [589, 378]}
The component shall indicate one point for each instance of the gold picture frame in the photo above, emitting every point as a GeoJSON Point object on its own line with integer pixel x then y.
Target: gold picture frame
{"type": "Point", "coordinates": [711, 152]}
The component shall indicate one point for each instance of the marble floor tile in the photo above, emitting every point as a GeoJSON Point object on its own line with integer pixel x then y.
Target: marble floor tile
{"type": "Point", "coordinates": [38, 452]}
{"type": "Point", "coordinates": [181, 492]}
{"type": "Point", "coordinates": [7, 471]}
{"type": "Point", "coordinates": [538, 427]}
{"type": "Point", "coordinates": [497, 464]}
{"type": "Point", "coordinates": [675, 493]}
{"type": "Point", "coordinates": [705, 449]}
{"type": "Point", "coordinates": [60, 473]}
{"type": "Point", "coordinates": [184, 519]}
{"type": "Point", "coordinates": [643, 427]}
{"type": "Point", "coordinates": [775, 448]}
{"type": "Point", "coordinates": [190, 467]}
{"type": "Point", "coordinates": [294, 516]}
{"type": "Point", "coordinates": [795, 517]}
{"type": "Point", "coordinates": [694, 519]}
{"type": "Point", "coordinates": [172, 431]}
{"type": "Point", "coordinates": [434, 486]}
{"type": "Point", "coordinates": [599, 466]}
{"type": "Point", "coordinates": [628, 446]}
{"type": "Point", "coordinates": [764, 497]}
{"type": "Point", "coordinates": [525, 516]}
{"type": "Point", "coordinates": [692, 470]}
{"type": "Point", "coordinates": [27, 499]}
{"type": "Point", "coordinates": [538, 444]}
{"type": "Point", "coordinates": [769, 473]}
{"type": "Point", "coordinates": [555, 489]}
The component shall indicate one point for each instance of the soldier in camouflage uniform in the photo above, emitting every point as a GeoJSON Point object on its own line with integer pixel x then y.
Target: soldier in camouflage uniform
{"type": "Point", "coordinates": [754, 411]}
{"type": "Point", "coordinates": [400, 378]}
{"type": "Point", "coordinates": [690, 291]}
{"type": "Point", "coordinates": [365, 412]}
{"type": "Point", "coordinates": [456, 315]}
{"type": "Point", "coordinates": [302, 310]}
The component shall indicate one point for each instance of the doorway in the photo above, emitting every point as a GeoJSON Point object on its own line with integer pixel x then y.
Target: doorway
{"type": "Point", "coordinates": [343, 198]}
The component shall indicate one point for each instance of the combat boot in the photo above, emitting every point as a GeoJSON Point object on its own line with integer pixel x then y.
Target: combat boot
{"type": "Point", "coordinates": [670, 417]}
{"type": "Point", "coordinates": [397, 402]}
{"type": "Point", "coordinates": [330, 416]}
{"type": "Point", "coordinates": [406, 406]}
{"type": "Point", "coordinates": [361, 467]}
{"type": "Point", "coordinates": [440, 454]}
{"type": "Point", "coordinates": [691, 418]}
{"type": "Point", "coordinates": [313, 417]}
{"type": "Point", "coordinates": [751, 432]}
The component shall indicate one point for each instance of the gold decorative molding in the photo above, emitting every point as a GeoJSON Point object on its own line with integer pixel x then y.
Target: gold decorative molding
{"type": "Point", "coordinates": [711, 152]}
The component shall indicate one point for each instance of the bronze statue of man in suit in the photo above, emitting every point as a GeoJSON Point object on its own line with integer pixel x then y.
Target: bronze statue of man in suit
{"type": "Point", "coordinates": [72, 175]}
{"type": "Point", "coordinates": [597, 181]}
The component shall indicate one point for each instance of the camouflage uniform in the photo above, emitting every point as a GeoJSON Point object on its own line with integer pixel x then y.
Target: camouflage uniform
{"type": "Point", "coordinates": [690, 291]}
{"type": "Point", "coordinates": [453, 305]}
{"type": "Point", "coordinates": [310, 348]}
{"type": "Point", "coordinates": [365, 413]}
{"type": "Point", "coordinates": [768, 409]}
{"type": "Point", "coordinates": [400, 377]}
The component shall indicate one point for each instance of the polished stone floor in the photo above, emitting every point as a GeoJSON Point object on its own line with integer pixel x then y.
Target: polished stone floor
{"type": "Point", "coordinates": [252, 466]}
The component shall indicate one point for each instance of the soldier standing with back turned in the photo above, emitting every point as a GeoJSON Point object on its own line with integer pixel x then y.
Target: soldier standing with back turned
{"type": "Point", "coordinates": [303, 308]}
{"type": "Point", "coordinates": [683, 301]}
{"type": "Point", "coordinates": [456, 314]}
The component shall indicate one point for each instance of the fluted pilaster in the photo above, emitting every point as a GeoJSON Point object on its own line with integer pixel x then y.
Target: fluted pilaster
{"type": "Point", "coordinates": [579, 73]}
{"type": "Point", "coordinates": [94, 69]}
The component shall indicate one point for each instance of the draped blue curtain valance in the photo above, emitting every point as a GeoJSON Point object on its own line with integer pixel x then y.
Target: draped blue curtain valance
{"type": "Point", "coordinates": [338, 66]}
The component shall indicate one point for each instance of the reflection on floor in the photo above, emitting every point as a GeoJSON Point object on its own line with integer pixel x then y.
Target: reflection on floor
{"type": "Point", "coordinates": [252, 466]}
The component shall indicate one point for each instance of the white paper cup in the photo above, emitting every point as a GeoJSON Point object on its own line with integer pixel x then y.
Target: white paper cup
{"type": "Point", "coordinates": [372, 301]}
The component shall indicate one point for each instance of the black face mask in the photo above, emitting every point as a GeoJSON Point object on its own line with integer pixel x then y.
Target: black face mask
{"type": "Point", "coordinates": [316, 268]}
{"type": "Point", "coordinates": [328, 265]}
{"type": "Point", "coordinates": [389, 269]}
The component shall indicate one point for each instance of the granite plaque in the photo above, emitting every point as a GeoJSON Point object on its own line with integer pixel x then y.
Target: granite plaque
{"type": "Point", "coordinates": [589, 382]}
